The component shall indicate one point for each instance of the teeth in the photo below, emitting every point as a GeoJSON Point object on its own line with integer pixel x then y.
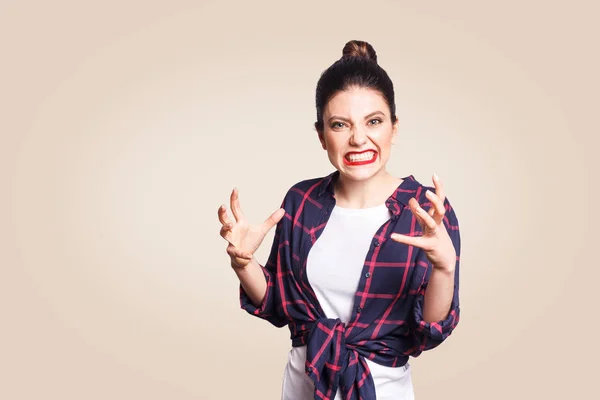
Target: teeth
{"type": "Point", "coordinates": [361, 157]}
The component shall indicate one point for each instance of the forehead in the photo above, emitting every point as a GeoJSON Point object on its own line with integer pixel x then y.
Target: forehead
{"type": "Point", "coordinates": [355, 102]}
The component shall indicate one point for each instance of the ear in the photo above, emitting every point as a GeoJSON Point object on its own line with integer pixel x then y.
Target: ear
{"type": "Point", "coordinates": [322, 139]}
{"type": "Point", "coordinates": [394, 131]}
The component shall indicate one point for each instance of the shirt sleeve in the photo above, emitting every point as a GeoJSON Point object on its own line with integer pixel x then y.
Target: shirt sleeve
{"type": "Point", "coordinates": [431, 334]}
{"type": "Point", "coordinates": [271, 308]}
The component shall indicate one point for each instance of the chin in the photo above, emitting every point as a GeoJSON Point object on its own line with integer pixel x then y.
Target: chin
{"type": "Point", "coordinates": [359, 174]}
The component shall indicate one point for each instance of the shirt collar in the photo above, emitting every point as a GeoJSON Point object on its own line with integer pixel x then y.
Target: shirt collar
{"type": "Point", "coordinates": [403, 193]}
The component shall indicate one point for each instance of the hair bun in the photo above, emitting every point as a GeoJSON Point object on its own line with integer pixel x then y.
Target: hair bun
{"type": "Point", "coordinates": [359, 48]}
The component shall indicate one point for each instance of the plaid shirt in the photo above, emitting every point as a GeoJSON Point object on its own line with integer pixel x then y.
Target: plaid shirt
{"type": "Point", "coordinates": [387, 323]}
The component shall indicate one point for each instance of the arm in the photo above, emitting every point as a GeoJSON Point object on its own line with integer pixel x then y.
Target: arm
{"type": "Point", "coordinates": [438, 296]}
{"type": "Point", "coordinates": [253, 281]}
{"type": "Point", "coordinates": [259, 294]}
{"type": "Point", "coordinates": [437, 307]}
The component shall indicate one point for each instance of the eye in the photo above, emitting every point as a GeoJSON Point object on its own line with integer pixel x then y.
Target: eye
{"type": "Point", "coordinates": [337, 125]}
{"type": "Point", "coordinates": [377, 120]}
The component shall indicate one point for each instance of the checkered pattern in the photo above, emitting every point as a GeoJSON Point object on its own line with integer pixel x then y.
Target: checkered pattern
{"type": "Point", "coordinates": [387, 323]}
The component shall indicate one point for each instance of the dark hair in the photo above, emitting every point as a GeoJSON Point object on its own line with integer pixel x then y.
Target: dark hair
{"type": "Point", "coordinates": [356, 67]}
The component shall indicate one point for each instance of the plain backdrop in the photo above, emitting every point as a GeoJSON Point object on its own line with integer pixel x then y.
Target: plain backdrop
{"type": "Point", "coordinates": [125, 124]}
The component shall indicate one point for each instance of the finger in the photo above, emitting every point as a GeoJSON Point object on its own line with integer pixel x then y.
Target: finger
{"type": "Point", "coordinates": [413, 206]}
{"type": "Point", "coordinates": [235, 252]}
{"type": "Point", "coordinates": [439, 188]}
{"type": "Point", "coordinates": [235, 204]}
{"type": "Point", "coordinates": [223, 217]}
{"type": "Point", "coordinates": [417, 241]}
{"type": "Point", "coordinates": [226, 230]}
{"type": "Point", "coordinates": [425, 220]}
{"type": "Point", "coordinates": [273, 220]}
{"type": "Point", "coordinates": [436, 205]}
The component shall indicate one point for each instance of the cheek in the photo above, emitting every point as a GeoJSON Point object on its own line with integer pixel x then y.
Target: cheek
{"type": "Point", "coordinates": [383, 138]}
{"type": "Point", "coordinates": [333, 144]}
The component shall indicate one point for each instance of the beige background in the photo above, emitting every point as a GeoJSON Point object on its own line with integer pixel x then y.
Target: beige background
{"type": "Point", "coordinates": [124, 125]}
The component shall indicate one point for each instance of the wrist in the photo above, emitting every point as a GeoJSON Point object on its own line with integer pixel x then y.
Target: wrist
{"type": "Point", "coordinates": [238, 267]}
{"type": "Point", "coordinates": [448, 269]}
{"type": "Point", "coordinates": [241, 267]}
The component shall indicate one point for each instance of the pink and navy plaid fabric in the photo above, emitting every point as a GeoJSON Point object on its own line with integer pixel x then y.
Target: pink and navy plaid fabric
{"type": "Point", "coordinates": [387, 323]}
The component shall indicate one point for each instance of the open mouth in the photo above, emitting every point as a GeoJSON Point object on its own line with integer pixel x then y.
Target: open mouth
{"type": "Point", "coordinates": [365, 157]}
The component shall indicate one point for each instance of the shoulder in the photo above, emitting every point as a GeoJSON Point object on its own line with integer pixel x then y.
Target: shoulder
{"type": "Point", "coordinates": [306, 189]}
{"type": "Point", "coordinates": [306, 185]}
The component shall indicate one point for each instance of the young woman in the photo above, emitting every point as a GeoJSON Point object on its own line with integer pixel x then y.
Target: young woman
{"type": "Point", "coordinates": [364, 266]}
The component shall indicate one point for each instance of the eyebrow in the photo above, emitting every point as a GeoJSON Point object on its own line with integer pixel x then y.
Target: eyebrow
{"type": "Point", "coordinates": [366, 117]}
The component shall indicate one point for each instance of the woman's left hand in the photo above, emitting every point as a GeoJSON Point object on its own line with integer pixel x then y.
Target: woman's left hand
{"type": "Point", "coordinates": [435, 240]}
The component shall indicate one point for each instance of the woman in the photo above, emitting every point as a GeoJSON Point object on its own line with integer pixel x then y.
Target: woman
{"type": "Point", "coordinates": [361, 273]}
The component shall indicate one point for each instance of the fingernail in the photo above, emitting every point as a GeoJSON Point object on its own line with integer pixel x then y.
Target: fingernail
{"type": "Point", "coordinates": [435, 176]}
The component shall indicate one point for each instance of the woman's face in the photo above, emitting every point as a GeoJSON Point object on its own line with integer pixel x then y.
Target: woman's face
{"type": "Point", "coordinates": [358, 132]}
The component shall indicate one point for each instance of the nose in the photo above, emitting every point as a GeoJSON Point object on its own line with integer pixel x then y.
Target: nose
{"type": "Point", "coordinates": [358, 137]}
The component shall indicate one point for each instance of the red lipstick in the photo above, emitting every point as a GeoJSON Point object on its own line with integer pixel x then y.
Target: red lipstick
{"type": "Point", "coordinates": [350, 163]}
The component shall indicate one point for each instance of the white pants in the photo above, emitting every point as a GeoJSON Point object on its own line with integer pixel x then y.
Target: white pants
{"type": "Point", "coordinates": [390, 383]}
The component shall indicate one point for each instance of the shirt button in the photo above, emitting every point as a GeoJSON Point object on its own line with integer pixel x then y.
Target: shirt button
{"type": "Point", "coordinates": [377, 243]}
{"type": "Point", "coordinates": [359, 309]}
{"type": "Point", "coordinates": [368, 274]}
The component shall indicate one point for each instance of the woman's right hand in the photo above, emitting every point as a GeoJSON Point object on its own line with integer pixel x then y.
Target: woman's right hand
{"type": "Point", "coordinates": [243, 238]}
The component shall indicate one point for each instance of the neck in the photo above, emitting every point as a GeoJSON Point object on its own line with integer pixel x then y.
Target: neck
{"type": "Point", "coordinates": [365, 193]}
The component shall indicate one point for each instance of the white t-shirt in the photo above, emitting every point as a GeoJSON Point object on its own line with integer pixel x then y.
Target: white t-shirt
{"type": "Point", "coordinates": [334, 265]}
